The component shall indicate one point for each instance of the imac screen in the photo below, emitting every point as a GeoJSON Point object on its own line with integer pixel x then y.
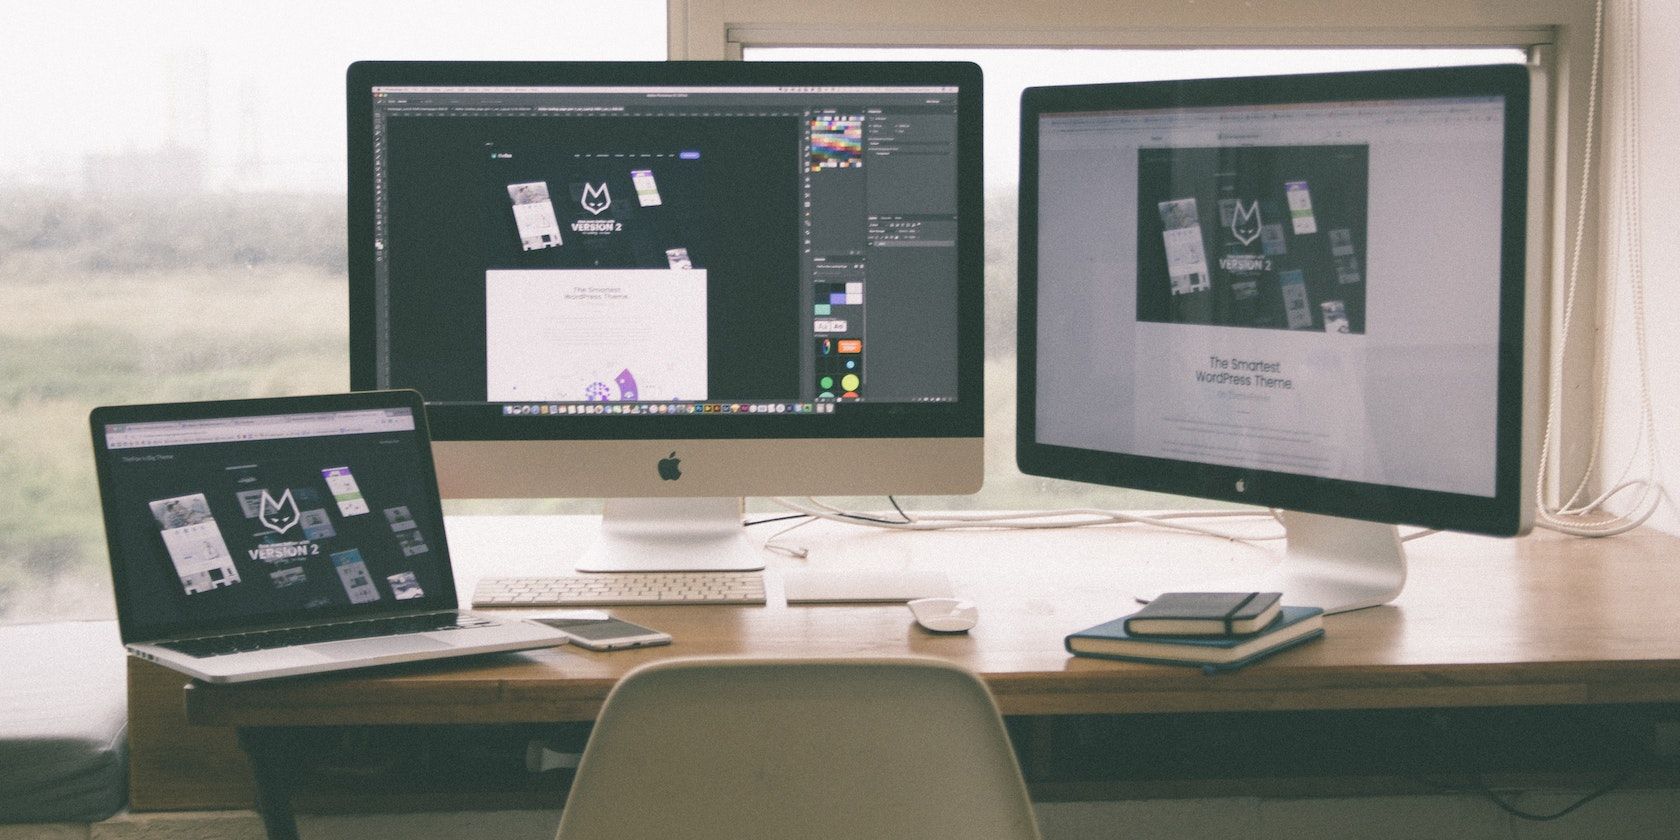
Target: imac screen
{"type": "Point", "coordinates": [645, 251]}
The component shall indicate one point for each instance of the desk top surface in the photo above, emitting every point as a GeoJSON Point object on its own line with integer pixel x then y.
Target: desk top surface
{"type": "Point", "coordinates": [1540, 620]}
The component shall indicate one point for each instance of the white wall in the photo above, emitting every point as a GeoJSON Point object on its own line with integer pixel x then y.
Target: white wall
{"type": "Point", "coordinates": [1659, 114]}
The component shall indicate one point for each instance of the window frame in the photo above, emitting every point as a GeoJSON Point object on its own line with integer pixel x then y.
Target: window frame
{"type": "Point", "coordinates": [1557, 34]}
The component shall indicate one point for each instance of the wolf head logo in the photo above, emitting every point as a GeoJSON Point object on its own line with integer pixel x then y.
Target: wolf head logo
{"type": "Point", "coordinates": [1245, 222]}
{"type": "Point", "coordinates": [596, 199]}
{"type": "Point", "coordinates": [278, 516]}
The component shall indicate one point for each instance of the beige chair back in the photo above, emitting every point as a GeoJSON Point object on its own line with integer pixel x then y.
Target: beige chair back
{"type": "Point", "coordinates": [736, 749]}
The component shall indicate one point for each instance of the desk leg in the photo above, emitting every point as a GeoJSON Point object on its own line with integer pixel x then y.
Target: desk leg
{"type": "Point", "coordinates": [272, 767]}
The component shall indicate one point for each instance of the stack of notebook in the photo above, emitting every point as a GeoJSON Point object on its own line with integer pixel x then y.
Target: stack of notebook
{"type": "Point", "coordinates": [1206, 629]}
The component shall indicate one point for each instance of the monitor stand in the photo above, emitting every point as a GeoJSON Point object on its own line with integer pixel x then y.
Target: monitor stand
{"type": "Point", "coordinates": [672, 535]}
{"type": "Point", "coordinates": [1330, 562]}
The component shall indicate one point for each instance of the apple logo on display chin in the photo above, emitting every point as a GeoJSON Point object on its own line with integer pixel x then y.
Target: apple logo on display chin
{"type": "Point", "coordinates": [668, 468]}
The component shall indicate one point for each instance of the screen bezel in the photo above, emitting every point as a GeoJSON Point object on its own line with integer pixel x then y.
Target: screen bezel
{"type": "Point", "coordinates": [442, 597]}
{"type": "Point", "coordinates": [1503, 513]}
{"type": "Point", "coordinates": [452, 422]}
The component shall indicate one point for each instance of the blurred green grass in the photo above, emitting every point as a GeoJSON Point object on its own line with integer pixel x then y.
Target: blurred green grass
{"type": "Point", "coordinates": [142, 300]}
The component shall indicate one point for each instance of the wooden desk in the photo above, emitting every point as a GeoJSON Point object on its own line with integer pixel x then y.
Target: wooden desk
{"type": "Point", "coordinates": [1545, 620]}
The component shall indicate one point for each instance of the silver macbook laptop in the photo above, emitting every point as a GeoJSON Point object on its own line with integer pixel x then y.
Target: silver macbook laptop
{"type": "Point", "coordinates": [267, 538]}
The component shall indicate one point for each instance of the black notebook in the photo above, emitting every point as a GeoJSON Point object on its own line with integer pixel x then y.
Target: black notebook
{"type": "Point", "coordinates": [1205, 614]}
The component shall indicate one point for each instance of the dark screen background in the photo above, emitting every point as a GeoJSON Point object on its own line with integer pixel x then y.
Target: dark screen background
{"type": "Point", "coordinates": [387, 470]}
{"type": "Point", "coordinates": [681, 220]}
{"type": "Point", "coordinates": [447, 204]}
{"type": "Point", "coordinates": [1337, 177]}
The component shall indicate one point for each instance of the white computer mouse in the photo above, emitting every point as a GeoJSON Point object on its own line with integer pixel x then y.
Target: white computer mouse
{"type": "Point", "coordinates": [944, 615]}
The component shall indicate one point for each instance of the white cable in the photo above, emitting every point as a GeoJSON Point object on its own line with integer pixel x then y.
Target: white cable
{"type": "Point", "coordinates": [1573, 283]}
{"type": "Point", "coordinates": [1574, 516]}
{"type": "Point", "coordinates": [798, 552]}
{"type": "Point", "coordinates": [1027, 520]}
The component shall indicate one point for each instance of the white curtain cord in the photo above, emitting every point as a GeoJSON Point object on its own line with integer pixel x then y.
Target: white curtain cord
{"type": "Point", "coordinates": [1575, 515]}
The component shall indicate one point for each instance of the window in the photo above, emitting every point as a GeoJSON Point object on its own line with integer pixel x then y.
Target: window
{"type": "Point", "coordinates": [1007, 72]}
{"type": "Point", "coordinates": [172, 223]}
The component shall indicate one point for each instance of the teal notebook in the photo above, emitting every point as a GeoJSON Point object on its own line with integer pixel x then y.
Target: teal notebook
{"type": "Point", "coordinates": [1110, 640]}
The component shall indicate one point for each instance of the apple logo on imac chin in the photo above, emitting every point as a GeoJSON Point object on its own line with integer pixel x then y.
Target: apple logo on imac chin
{"type": "Point", "coordinates": [668, 467]}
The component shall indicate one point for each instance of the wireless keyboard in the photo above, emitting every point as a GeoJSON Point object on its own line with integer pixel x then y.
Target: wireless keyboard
{"type": "Point", "coordinates": [621, 588]}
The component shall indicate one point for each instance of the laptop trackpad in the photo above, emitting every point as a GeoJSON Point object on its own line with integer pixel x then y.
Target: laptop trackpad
{"type": "Point", "coordinates": [382, 646]}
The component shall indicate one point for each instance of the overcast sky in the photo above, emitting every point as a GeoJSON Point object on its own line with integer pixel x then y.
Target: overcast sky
{"type": "Point", "coordinates": [105, 75]}
{"type": "Point", "coordinates": [245, 82]}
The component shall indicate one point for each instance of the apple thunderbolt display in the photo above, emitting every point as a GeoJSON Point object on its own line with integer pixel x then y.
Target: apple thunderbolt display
{"type": "Point", "coordinates": [673, 284]}
{"type": "Point", "coordinates": [1302, 292]}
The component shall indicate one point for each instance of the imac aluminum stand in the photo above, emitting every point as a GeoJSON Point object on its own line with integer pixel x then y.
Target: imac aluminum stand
{"type": "Point", "coordinates": [672, 535]}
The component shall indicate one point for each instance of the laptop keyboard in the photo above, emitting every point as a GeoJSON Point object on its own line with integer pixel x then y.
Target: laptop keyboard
{"type": "Point", "coordinates": [315, 634]}
{"type": "Point", "coordinates": [622, 588]}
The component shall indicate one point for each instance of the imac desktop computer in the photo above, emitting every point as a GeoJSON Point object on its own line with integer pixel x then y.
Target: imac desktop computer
{"type": "Point", "coordinates": [1302, 292]}
{"type": "Point", "coordinates": [671, 285]}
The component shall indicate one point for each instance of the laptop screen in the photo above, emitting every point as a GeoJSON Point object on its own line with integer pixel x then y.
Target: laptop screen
{"type": "Point", "coordinates": [238, 520]}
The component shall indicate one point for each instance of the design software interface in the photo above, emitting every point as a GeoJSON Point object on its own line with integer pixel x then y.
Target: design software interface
{"type": "Point", "coordinates": [252, 516]}
{"type": "Point", "coordinates": [1306, 288]}
{"type": "Point", "coordinates": [666, 250]}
